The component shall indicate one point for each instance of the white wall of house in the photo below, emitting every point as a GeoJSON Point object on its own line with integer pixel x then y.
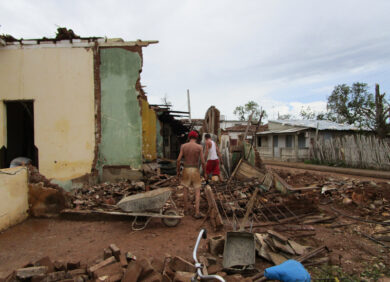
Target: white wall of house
{"type": "Point", "coordinates": [287, 147]}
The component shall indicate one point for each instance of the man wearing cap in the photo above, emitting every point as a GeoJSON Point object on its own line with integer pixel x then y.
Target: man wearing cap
{"type": "Point", "coordinates": [191, 152]}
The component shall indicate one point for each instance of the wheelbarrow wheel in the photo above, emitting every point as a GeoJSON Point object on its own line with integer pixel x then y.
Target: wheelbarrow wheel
{"type": "Point", "coordinates": [170, 222]}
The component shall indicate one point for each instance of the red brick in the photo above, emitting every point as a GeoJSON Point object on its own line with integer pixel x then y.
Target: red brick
{"type": "Point", "coordinates": [133, 272]}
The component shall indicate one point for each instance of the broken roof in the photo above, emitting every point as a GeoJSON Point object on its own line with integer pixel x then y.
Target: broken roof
{"type": "Point", "coordinates": [313, 123]}
{"type": "Point", "coordinates": [75, 42]}
{"type": "Point", "coordinates": [281, 131]}
{"type": "Point", "coordinates": [242, 128]}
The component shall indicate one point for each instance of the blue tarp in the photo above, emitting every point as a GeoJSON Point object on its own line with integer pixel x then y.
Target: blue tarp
{"type": "Point", "coordinates": [288, 271]}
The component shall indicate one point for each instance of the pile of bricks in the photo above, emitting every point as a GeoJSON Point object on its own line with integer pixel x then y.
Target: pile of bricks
{"type": "Point", "coordinates": [114, 265]}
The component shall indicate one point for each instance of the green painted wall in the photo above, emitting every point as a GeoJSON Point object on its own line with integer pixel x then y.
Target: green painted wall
{"type": "Point", "coordinates": [121, 142]}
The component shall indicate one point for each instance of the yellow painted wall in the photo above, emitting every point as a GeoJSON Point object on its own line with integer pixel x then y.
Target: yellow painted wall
{"type": "Point", "coordinates": [149, 140]}
{"type": "Point", "coordinates": [13, 196]}
{"type": "Point", "coordinates": [61, 83]}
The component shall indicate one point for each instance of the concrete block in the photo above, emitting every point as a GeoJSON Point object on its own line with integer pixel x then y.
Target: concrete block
{"type": "Point", "coordinates": [28, 272]}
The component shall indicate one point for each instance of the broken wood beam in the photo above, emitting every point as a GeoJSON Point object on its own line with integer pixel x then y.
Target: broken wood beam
{"type": "Point", "coordinates": [278, 236]}
{"type": "Point", "coordinates": [249, 209]}
{"type": "Point", "coordinates": [215, 216]}
{"type": "Point", "coordinates": [104, 263]}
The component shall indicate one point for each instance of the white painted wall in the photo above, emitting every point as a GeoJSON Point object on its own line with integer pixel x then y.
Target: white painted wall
{"type": "Point", "coordinates": [13, 196]}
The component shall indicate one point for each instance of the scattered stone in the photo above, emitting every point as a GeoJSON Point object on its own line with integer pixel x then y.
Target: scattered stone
{"type": "Point", "coordinates": [107, 253]}
{"type": "Point", "coordinates": [115, 251]}
{"type": "Point", "coordinates": [111, 270]}
{"type": "Point", "coordinates": [46, 262]}
{"type": "Point", "coordinates": [216, 245]}
{"type": "Point", "coordinates": [24, 273]}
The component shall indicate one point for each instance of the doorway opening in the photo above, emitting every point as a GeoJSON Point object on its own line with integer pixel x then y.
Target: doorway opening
{"type": "Point", "coordinates": [20, 131]}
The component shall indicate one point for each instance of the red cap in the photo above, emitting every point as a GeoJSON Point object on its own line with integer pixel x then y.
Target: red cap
{"type": "Point", "coordinates": [193, 134]}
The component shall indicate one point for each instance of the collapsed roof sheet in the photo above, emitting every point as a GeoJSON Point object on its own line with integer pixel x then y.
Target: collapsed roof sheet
{"type": "Point", "coordinates": [284, 131]}
{"type": "Point", "coordinates": [313, 123]}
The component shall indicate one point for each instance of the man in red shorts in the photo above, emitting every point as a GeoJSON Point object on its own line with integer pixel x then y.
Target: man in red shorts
{"type": "Point", "coordinates": [212, 155]}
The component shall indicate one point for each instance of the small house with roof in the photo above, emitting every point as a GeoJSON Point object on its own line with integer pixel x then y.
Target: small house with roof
{"type": "Point", "coordinates": [292, 140]}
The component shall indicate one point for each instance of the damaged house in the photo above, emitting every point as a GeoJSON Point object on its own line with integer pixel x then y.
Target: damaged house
{"type": "Point", "coordinates": [77, 109]}
{"type": "Point", "coordinates": [324, 142]}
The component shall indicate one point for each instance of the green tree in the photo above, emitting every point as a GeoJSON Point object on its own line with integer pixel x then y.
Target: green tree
{"type": "Point", "coordinates": [346, 103]}
{"type": "Point", "coordinates": [356, 105]}
{"type": "Point", "coordinates": [307, 113]}
{"type": "Point", "coordinates": [243, 112]}
{"type": "Point", "coordinates": [378, 115]}
{"type": "Point", "coordinates": [285, 116]}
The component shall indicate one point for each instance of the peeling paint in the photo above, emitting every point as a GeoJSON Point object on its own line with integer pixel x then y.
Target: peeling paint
{"type": "Point", "coordinates": [121, 123]}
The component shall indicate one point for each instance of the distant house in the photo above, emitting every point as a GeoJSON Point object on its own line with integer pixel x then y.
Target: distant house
{"type": "Point", "coordinates": [291, 140]}
{"type": "Point", "coordinates": [224, 123]}
{"type": "Point", "coordinates": [237, 132]}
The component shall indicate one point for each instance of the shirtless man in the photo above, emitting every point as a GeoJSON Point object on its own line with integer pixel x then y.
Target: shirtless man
{"type": "Point", "coordinates": [212, 155]}
{"type": "Point", "coordinates": [192, 152]}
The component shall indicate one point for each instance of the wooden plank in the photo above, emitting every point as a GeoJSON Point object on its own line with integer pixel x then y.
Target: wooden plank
{"type": "Point", "coordinates": [278, 236]}
{"type": "Point", "coordinates": [215, 216]}
{"type": "Point", "coordinates": [104, 263]}
{"type": "Point", "coordinates": [246, 170]}
{"type": "Point", "coordinates": [132, 214]}
{"type": "Point", "coordinates": [249, 208]}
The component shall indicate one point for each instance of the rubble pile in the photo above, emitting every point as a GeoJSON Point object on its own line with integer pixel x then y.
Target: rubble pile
{"type": "Point", "coordinates": [362, 197]}
{"type": "Point", "coordinates": [233, 197]}
{"type": "Point", "coordinates": [34, 177]}
{"type": "Point", "coordinates": [105, 195]}
{"type": "Point", "coordinates": [112, 266]}
{"type": "Point", "coordinates": [115, 265]}
{"type": "Point", "coordinates": [45, 199]}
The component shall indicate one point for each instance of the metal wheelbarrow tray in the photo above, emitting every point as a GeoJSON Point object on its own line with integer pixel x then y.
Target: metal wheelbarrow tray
{"type": "Point", "coordinates": [146, 205]}
{"type": "Point", "coordinates": [239, 252]}
{"type": "Point", "coordinates": [150, 204]}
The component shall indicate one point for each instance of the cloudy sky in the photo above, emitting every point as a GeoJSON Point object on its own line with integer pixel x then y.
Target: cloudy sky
{"type": "Point", "coordinates": [282, 54]}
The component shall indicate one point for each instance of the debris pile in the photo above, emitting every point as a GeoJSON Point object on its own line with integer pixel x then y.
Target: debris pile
{"type": "Point", "coordinates": [270, 206]}
{"type": "Point", "coordinates": [105, 195]}
{"type": "Point", "coordinates": [45, 198]}
{"type": "Point", "coordinates": [112, 266]}
{"type": "Point", "coordinates": [115, 265]}
{"type": "Point", "coordinates": [277, 248]}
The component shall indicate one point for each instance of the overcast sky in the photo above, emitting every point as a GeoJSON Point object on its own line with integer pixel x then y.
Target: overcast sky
{"type": "Point", "coordinates": [281, 54]}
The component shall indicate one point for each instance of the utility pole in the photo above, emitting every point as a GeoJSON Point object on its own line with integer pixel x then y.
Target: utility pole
{"type": "Point", "coordinates": [189, 105]}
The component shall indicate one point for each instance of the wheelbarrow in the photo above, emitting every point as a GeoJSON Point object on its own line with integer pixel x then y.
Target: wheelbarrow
{"type": "Point", "coordinates": [150, 205]}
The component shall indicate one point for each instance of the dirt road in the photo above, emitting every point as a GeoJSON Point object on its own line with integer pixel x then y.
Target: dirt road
{"type": "Point", "coordinates": [85, 240]}
{"type": "Point", "coordinates": [367, 173]}
{"type": "Point", "coordinates": [327, 173]}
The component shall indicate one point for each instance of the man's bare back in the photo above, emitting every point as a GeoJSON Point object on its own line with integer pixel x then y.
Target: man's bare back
{"type": "Point", "coordinates": [191, 153]}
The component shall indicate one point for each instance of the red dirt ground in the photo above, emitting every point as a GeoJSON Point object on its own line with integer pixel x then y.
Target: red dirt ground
{"type": "Point", "coordinates": [70, 240]}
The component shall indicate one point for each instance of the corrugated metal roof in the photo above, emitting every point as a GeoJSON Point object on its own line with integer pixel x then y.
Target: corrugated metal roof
{"type": "Point", "coordinates": [312, 123]}
{"type": "Point", "coordinates": [284, 131]}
